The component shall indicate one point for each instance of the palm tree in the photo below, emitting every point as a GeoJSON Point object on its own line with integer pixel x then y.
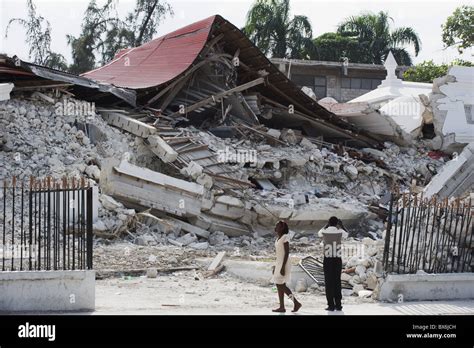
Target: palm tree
{"type": "Point", "coordinates": [270, 28]}
{"type": "Point", "coordinates": [376, 39]}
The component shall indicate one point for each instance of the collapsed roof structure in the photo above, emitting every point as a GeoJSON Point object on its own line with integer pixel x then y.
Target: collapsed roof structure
{"type": "Point", "coordinates": [210, 67]}
{"type": "Point", "coordinates": [29, 77]}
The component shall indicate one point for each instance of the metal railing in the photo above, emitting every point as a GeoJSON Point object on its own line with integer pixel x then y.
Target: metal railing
{"type": "Point", "coordinates": [45, 224]}
{"type": "Point", "coordinates": [429, 235]}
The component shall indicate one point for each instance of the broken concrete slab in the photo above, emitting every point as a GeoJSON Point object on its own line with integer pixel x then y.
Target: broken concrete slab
{"type": "Point", "coordinates": [228, 207]}
{"type": "Point", "coordinates": [128, 124]}
{"type": "Point", "coordinates": [201, 221]}
{"type": "Point", "coordinates": [455, 177]}
{"type": "Point", "coordinates": [190, 228]}
{"type": "Point", "coordinates": [161, 148]}
{"type": "Point", "coordinates": [163, 225]}
{"type": "Point", "coordinates": [187, 239]}
{"type": "Point", "coordinates": [228, 227]}
{"type": "Point", "coordinates": [199, 246]}
{"type": "Point", "coordinates": [151, 189]}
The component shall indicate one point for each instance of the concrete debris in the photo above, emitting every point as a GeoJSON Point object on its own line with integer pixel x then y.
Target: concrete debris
{"type": "Point", "coordinates": [455, 178]}
{"type": "Point", "coordinates": [217, 261]}
{"type": "Point", "coordinates": [301, 285]}
{"type": "Point", "coordinates": [161, 148]}
{"type": "Point", "coordinates": [5, 89]}
{"type": "Point", "coordinates": [151, 273]}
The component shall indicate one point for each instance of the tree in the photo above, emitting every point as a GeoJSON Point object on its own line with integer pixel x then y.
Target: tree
{"type": "Point", "coordinates": [459, 29]}
{"type": "Point", "coordinates": [104, 34]}
{"type": "Point", "coordinates": [38, 37]}
{"type": "Point", "coordinates": [270, 28]}
{"type": "Point", "coordinates": [373, 33]}
{"type": "Point", "coordinates": [427, 71]}
{"type": "Point", "coordinates": [333, 47]}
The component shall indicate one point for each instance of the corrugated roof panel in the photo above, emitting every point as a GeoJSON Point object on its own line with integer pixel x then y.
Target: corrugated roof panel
{"type": "Point", "coordinates": [157, 61]}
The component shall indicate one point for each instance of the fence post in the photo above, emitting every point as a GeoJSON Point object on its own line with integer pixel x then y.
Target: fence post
{"type": "Point", "coordinates": [387, 234]}
{"type": "Point", "coordinates": [89, 228]}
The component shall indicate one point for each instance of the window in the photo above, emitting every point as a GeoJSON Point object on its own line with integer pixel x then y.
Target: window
{"type": "Point", "coordinates": [346, 82]}
{"type": "Point", "coordinates": [355, 83]}
{"type": "Point", "coordinates": [303, 80]}
{"type": "Point", "coordinates": [359, 83]}
{"type": "Point", "coordinates": [316, 83]}
{"type": "Point", "coordinates": [375, 83]}
{"type": "Point", "coordinates": [366, 84]}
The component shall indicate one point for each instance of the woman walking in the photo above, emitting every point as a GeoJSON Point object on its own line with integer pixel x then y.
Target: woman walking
{"type": "Point", "coordinates": [282, 268]}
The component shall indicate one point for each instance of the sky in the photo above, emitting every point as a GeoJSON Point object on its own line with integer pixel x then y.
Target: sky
{"type": "Point", "coordinates": [66, 16]}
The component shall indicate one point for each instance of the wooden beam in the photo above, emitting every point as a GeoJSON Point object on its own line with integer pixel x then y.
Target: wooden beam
{"type": "Point", "coordinates": [219, 96]}
{"type": "Point", "coordinates": [262, 134]}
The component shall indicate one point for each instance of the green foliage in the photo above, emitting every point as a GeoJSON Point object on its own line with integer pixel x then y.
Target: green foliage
{"type": "Point", "coordinates": [427, 71]}
{"type": "Point", "coordinates": [333, 47]}
{"type": "Point", "coordinates": [38, 37]}
{"type": "Point", "coordinates": [271, 29]}
{"type": "Point", "coordinates": [459, 29]}
{"type": "Point", "coordinates": [104, 34]}
{"type": "Point", "coordinates": [376, 39]}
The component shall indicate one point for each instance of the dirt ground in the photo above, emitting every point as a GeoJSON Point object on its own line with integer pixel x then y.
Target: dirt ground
{"type": "Point", "coordinates": [122, 255]}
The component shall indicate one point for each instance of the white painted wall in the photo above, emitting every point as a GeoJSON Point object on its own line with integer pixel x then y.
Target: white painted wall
{"type": "Point", "coordinates": [31, 291]}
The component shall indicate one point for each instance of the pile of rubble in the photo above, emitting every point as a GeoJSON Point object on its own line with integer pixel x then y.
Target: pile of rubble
{"type": "Point", "coordinates": [39, 139]}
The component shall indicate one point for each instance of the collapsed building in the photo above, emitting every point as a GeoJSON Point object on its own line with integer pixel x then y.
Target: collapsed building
{"type": "Point", "coordinates": [196, 136]}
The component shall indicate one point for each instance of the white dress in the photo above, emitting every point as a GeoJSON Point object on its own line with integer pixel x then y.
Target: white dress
{"type": "Point", "coordinates": [280, 256]}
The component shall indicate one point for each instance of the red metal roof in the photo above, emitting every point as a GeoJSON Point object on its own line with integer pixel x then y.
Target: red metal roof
{"type": "Point", "coordinates": [157, 61]}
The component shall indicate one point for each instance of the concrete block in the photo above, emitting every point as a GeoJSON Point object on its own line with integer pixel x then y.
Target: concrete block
{"type": "Point", "coordinates": [201, 221]}
{"type": "Point", "coordinates": [205, 180]}
{"type": "Point", "coordinates": [187, 239]}
{"type": "Point", "coordinates": [422, 287]}
{"type": "Point", "coordinates": [190, 228]}
{"type": "Point", "coordinates": [5, 89]}
{"type": "Point", "coordinates": [228, 207]}
{"type": "Point", "coordinates": [199, 246]}
{"type": "Point", "coordinates": [151, 273]}
{"type": "Point", "coordinates": [193, 170]}
{"type": "Point", "coordinates": [299, 198]}
{"type": "Point", "coordinates": [351, 171]}
{"type": "Point", "coordinates": [307, 144]}
{"type": "Point", "coordinates": [274, 133]}
{"type": "Point", "coordinates": [230, 228]}
{"type": "Point", "coordinates": [128, 124]}
{"type": "Point", "coordinates": [161, 148]}
{"type": "Point", "coordinates": [297, 161]}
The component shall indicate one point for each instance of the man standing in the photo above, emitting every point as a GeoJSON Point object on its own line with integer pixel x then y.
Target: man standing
{"type": "Point", "coordinates": [332, 235]}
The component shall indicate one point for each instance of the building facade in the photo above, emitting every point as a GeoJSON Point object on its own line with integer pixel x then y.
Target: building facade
{"type": "Point", "coordinates": [334, 79]}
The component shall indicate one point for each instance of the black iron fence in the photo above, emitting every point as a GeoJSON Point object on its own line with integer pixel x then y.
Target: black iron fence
{"type": "Point", "coordinates": [46, 224]}
{"type": "Point", "coordinates": [429, 235]}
